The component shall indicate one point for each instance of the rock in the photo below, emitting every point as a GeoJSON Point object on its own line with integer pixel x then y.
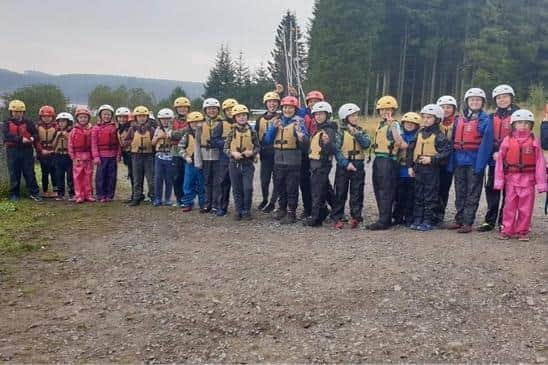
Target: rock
{"type": "Point", "coordinates": [540, 360]}
{"type": "Point", "coordinates": [490, 285]}
{"type": "Point", "coordinates": [455, 346]}
{"type": "Point", "coordinates": [530, 301]}
{"type": "Point", "coordinates": [397, 288]}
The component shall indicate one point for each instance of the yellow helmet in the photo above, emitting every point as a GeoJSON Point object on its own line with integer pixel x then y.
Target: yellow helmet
{"type": "Point", "coordinates": [229, 103]}
{"type": "Point", "coordinates": [387, 102]}
{"type": "Point", "coordinates": [412, 117]}
{"type": "Point", "coordinates": [17, 106]}
{"type": "Point", "coordinates": [195, 117]}
{"type": "Point", "coordinates": [271, 95]}
{"type": "Point", "coordinates": [140, 110]}
{"type": "Point", "coordinates": [239, 109]}
{"type": "Point", "coordinates": [180, 102]}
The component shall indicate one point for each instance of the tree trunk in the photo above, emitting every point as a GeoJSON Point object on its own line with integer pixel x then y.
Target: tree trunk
{"type": "Point", "coordinates": [413, 84]}
{"type": "Point", "coordinates": [403, 60]}
{"type": "Point", "coordinates": [424, 82]}
{"type": "Point", "coordinates": [434, 74]}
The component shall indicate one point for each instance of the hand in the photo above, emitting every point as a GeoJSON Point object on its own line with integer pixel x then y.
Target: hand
{"type": "Point", "coordinates": [46, 152]}
{"type": "Point", "coordinates": [248, 153]}
{"type": "Point", "coordinates": [411, 172]}
{"type": "Point", "coordinates": [292, 91]}
{"type": "Point", "coordinates": [325, 138]}
{"type": "Point", "coordinates": [403, 145]}
{"type": "Point", "coordinates": [351, 167]}
{"type": "Point", "coordinates": [236, 155]}
{"type": "Point", "coordinates": [425, 160]}
{"type": "Point", "coordinates": [352, 129]}
{"type": "Point", "coordinates": [77, 162]}
{"type": "Point", "coordinates": [389, 118]}
{"type": "Point", "coordinates": [300, 135]}
{"type": "Point", "coordinates": [96, 161]}
{"type": "Point", "coordinates": [495, 155]}
{"type": "Point", "coordinates": [279, 88]}
{"type": "Point", "coordinates": [277, 123]}
{"type": "Point", "coordinates": [26, 140]}
{"type": "Point", "coordinates": [188, 160]}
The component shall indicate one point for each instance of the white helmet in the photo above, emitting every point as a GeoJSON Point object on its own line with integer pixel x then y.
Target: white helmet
{"type": "Point", "coordinates": [165, 113]}
{"type": "Point", "coordinates": [503, 89]}
{"type": "Point", "coordinates": [433, 109]}
{"type": "Point", "coordinates": [522, 115]}
{"type": "Point", "coordinates": [105, 107]}
{"type": "Point", "coordinates": [322, 106]}
{"type": "Point", "coordinates": [211, 102]}
{"type": "Point", "coordinates": [348, 109]}
{"type": "Point", "coordinates": [65, 115]}
{"type": "Point", "coordinates": [447, 100]}
{"type": "Point", "coordinates": [475, 91]}
{"type": "Point", "coordinates": [122, 111]}
{"type": "Point", "coordinates": [151, 115]}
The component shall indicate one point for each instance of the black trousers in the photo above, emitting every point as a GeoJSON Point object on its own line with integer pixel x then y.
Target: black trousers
{"type": "Point", "coordinates": [47, 165]}
{"type": "Point", "coordinates": [346, 181]}
{"type": "Point", "coordinates": [467, 194]}
{"type": "Point", "coordinates": [241, 177]}
{"type": "Point", "coordinates": [385, 183]}
{"type": "Point", "coordinates": [427, 186]}
{"type": "Point", "coordinates": [266, 174]}
{"type": "Point", "coordinates": [306, 194]}
{"type": "Point", "coordinates": [494, 204]}
{"type": "Point", "coordinates": [321, 192]}
{"type": "Point", "coordinates": [142, 168]}
{"type": "Point", "coordinates": [63, 172]}
{"type": "Point", "coordinates": [287, 179]}
{"type": "Point", "coordinates": [209, 168]}
{"type": "Point", "coordinates": [446, 179]}
{"type": "Point", "coordinates": [126, 159]}
{"type": "Point", "coordinates": [222, 185]}
{"type": "Point", "coordinates": [178, 177]}
{"type": "Point", "coordinates": [405, 199]}
{"type": "Point", "coordinates": [21, 162]}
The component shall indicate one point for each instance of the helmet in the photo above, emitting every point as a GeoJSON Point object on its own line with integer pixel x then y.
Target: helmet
{"type": "Point", "coordinates": [271, 95]}
{"type": "Point", "coordinates": [503, 89]}
{"type": "Point", "coordinates": [105, 107]}
{"type": "Point", "coordinates": [211, 102]}
{"type": "Point", "coordinates": [291, 101]}
{"type": "Point", "coordinates": [433, 109]}
{"type": "Point", "coordinates": [195, 117]}
{"type": "Point", "coordinates": [522, 115]}
{"type": "Point", "coordinates": [82, 110]}
{"type": "Point", "coordinates": [140, 110]}
{"type": "Point", "coordinates": [229, 103]}
{"type": "Point", "coordinates": [387, 102]}
{"type": "Point", "coordinates": [475, 91]}
{"type": "Point", "coordinates": [151, 115]}
{"type": "Point", "coordinates": [447, 100]}
{"type": "Point", "coordinates": [181, 101]}
{"type": "Point", "coordinates": [17, 106]}
{"type": "Point", "coordinates": [122, 111]}
{"type": "Point", "coordinates": [65, 115]}
{"type": "Point", "coordinates": [348, 109]}
{"type": "Point", "coordinates": [239, 109]}
{"type": "Point", "coordinates": [322, 106]}
{"type": "Point", "coordinates": [314, 95]}
{"type": "Point", "coordinates": [165, 113]}
{"type": "Point", "coordinates": [46, 111]}
{"type": "Point", "coordinates": [411, 117]}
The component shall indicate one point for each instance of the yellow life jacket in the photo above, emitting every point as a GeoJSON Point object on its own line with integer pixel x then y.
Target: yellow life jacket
{"type": "Point", "coordinates": [46, 136]}
{"type": "Point", "coordinates": [163, 145]}
{"type": "Point", "coordinates": [350, 148]}
{"type": "Point", "coordinates": [382, 143]}
{"type": "Point", "coordinates": [241, 141]}
{"type": "Point", "coordinates": [285, 138]}
{"type": "Point", "coordinates": [190, 145]}
{"type": "Point", "coordinates": [227, 127]}
{"type": "Point", "coordinates": [207, 130]}
{"type": "Point", "coordinates": [425, 146]}
{"type": "Point", "coordinates": [447, 130]}
{"type": "Point", "coordinates": [315, 152]}
{"type": "Point", "coordinates": [262, 126]}
{"type": "Point", "coordinates": [141, 143]}
{"type": "Point", "coordinates": [61, 147]}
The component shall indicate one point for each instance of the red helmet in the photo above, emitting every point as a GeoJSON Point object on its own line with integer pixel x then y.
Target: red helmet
{"type": "Point", "coordinates": [290, 100]}
{"type": "Point", "coordinates": [314, 95]}
{"type": "Point", "coordinates": [46, 111]}
{"type": "Point", "coordinates": [82, 110]}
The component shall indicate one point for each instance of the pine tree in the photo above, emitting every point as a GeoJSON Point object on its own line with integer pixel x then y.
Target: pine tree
{"type": "Point", "coordinates": [221, 79]}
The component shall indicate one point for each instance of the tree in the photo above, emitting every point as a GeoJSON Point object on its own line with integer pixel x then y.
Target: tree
{"type": "Point", "coordinates": [168, 102]}
{"type": "Point", "coordinates": [221, 79]}
{"type": "Point", "coordinates": [35, 96]}
{"type": "Point", "coordinates": [120, 96]}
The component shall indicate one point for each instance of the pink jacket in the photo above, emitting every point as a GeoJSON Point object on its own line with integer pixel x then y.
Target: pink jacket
{"type": "Point", "coordinates": [79, 143]}
{"type": "Point", "coordinates": [521, 179]}
{"type": "Point", "coordinates": [104, 141]}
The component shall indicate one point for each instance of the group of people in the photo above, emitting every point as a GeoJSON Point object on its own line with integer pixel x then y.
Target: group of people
{"type": "Point", "coordinates": [203, 155]}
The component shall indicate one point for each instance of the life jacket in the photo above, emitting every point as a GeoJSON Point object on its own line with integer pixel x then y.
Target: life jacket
{"type": "Point", "coordinates": [163, 145]}
{"type": "Point", "coordinates": [81, 139]}
{"type": "Point", "coordinates": [402, 153]}
{"type": "Point", "coordinates": [382, 143]}
{"type": "Point", "coordinates": [61, 145]}
{"type": "Point", "coordinates": [241, 140]}
{"type": "Point", "coordinates": [207, 130]}
{"type": "Point", "coordinates": [227, 128]}
{"type": "Point", "coordinates": [447, 129]}
{"type": "Point", "coordinates": [262, 126]}
{"type": "Point", "coordinates": [190, 145]}
{"type": "Point", "coordinates": [350, 148]}
{"type": "Point", "coordinates": [141, 143]}
{"type": "Point", "coordinates": [467, 137]}
{"type": "Point", "coordinates": [285, 138]}
{"type": "Point", "coordinates": [19, 130]}
{"type": "Point", "coordinates": [520, 157]}
{"type": "Point", "coordinates": [123, 131]}
{"type": "Point", "coordinates": [107, 137]}
{"type": "Point", "coordinates": [425, 146]}
{"type": "Point", "coordinates": [179, 124]}
{"type": "Point", "coordinates": [46, 133]}
{"type": "Point", "coordinates": [501, 128]}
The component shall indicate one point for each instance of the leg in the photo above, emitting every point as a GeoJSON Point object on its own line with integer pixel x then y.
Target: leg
{"type": "Point", "coordinates": [100, 179]}
{"type": "Point", "coordinates": [357, 181]}
{"type": "Point", "coordinates": [341, 192]}
{"type": "Point", "coordinates": [189, 185]}
{"type": "Point", "coordinates": [112, 174]}
{"type": "Point", "coordinates": [170, 171]}
{"type": "Point", "coordinates": [526, 204]}
{"type": "Point", "coordinates": [475, 182]}
{"type": "Point", "coordinates": [60, 171]}
{"type": "Point", "coordinates": [158, 180]}
{"type": "Point", "coordinates": [15, 169]}
{"type": "Point", "coordinates": [461, 192]}
{"type": "Point", "coordinates": [149, 172]}
{"type": "Point", "coordinates": [138, 175]}
{"type": "Point", "coordinates": [28, 171]}
{"type": "Point", "coordinates": [511, 206]}
{"type": "Point", "coordinates": [237, 187]}
{"type": "Point", "coordinates": [492, 197]}
{"type": "Point", "coordinates": [292, 181]}
{"type": "Point", "coordinates": [446, 178]}
{"type": "Point", "coordinates": [305, 185]}
{"type": "Point", "coordinates": [431, 197]}
{"type": "Point", "coordinates": [280, 186]}
{"type": "Point", "coordinates": [247, 180]}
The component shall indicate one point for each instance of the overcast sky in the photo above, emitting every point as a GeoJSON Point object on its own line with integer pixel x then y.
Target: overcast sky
{"type": "Point", "coordinates": [165, 39]}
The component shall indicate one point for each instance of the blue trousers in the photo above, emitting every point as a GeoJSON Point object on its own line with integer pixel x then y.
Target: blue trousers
{"type": "Point", "coordinates": [193, 185]}
{"type": "Point", "coordinates": [163, 179]}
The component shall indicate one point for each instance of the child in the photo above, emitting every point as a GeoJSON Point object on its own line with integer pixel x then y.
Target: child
{"type": "Point", "coordinates": [289, 136]}
{"type": "Point", "coordinates": [19, 136]}
{"type": "Point", "coordinates": [449, 106]}
{"type": "Point", "coordinates": [209, 151]}
{"type": "Point", "coordinates": [79, 147]}
{"type": "Point", "coordinates": [503, 96]}
{"type": "Point", "coordinates": [139, 138]}
{"type": "Point", "coordinates": [423, 160]}
{"type": "Point", "coordinates": [472, 146]}
{"type": "Point", "coordinates": [163, 162]}
{"type": "Point", "coordinates": [242, 145]}
{"type": "Point", "coordinates": [105, 149]}
{"type": "Point", "coordinates": [63, 162]}
{"type": "Point", "coordinates": [194, 177]}
{"type": "Point", "coordinates": [321, 151]}
{"type": "Point", "coordinates": [403, 205]}
{"type": "Point", "coordinates": [182, 108]}
{"type": "Point", "coordinates": [46, 133]}
{"type": "Point", "coordinates": [350, 145]}
{"type": "Point", "coordinates": [388, 142]}
{"type": "Point", "coordinates": [271, 101]}
{"type": "Point", "coordinates": [123, 120]}
{"type": "Point", "coordinates": [520, 166]}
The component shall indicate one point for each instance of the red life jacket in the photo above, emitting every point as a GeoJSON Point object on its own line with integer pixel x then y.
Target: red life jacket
{"type": "Point", "coordinates": [19, 130]}
{"type": "Point", "coordinates": [107, 137]}
{"type": "Point", "coordinates": [520, 156]}
{"type": "Point", "coordinates": [178, 125]}
{"type": "Point", "coordinates": [467, 137]}
{"type": "Point", "coordinates": [82, 140]}
{"type": "Point", "coordinates": [501, 128]}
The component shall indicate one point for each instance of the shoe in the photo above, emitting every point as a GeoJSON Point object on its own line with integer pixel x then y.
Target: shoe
{"type": "Point", "coordinates": [279, 214]}
{"type": "Point", "coordinates": [213, 211]}
{"type": "Point", "coordinates": [485, 227]}
{"type": "Point", "coordinates": [503, 237]}
{"type": "Point", "coordinates": [104, 200]}
{"type": "Point", "coordinates": [14, 198]}
{"type": "Point", "coordinates": [134, 203]}
{"type": "Point", "coordinates": [187, 209]}
{"type": "Point", "coordinates": [268, 208]}
{"type": "Point", "coordinates": [60, 198]}
{"type": "Point", "coordinates": [312, 222]}
{"type": "Point", "coordinates": [289, 218]}
{"type": "Point", "coordinates": [90, 199]}
{"type": "Point", "coordinates": [262, 205]}
{"type": "Point", "coordinates": [79, 200]}
{"type": "Point", "coordinates": [414, 226]}
{"type": "Point", "coordinates": [127, 201]}
{"type": "Point", "coordinates": [167, 203]}
{"type": "Point", "coordinates": [237, 217]}
{"type": "Point", "coordinates": [247, 216]}
{"type": "Point", "coordinates": [523, 237]}
{"type": "Point", "coordinates": [303, 216]}
{"type": "Point", "coordinates": [425, 227]}
{"type": "Point", "coordinates": [353, 223]}
{"type": "Point", "coordinates": [71, 198]}
{"type": "Point", "coordinates": [452, 226]}
{"type": "Point", "coordinates": [465, 229]}
{"type": "Point", "coordinates": [36, 198]}
{"type": "Point", "coordinates": [338, 225]}
{"type": "Point", "coordinates": [220, 213]}
{"type": "Point", "coordinates": [377, 226]}
{"type": "Point", "coordinates": [157, 203]}
{"type": "Point", "coordinates": [204, 210]}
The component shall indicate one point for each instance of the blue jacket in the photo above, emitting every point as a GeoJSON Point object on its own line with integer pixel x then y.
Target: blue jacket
{"type": "Point", "coordinates": [409, 137]}
{"type": "Point", "coordinates": [476, 159]}
{"type": "Point", "coordinates": [544, 134]}
{"type": "Point", "coordinates": [270, 134]}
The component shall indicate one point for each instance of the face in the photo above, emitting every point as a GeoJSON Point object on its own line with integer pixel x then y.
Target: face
{"type": "Point", "coordinates": [386, 113]}
{"type": "Point", "coordinates": [195, 125]}
{"type": "Point", "coordinates": [47, 119]}
{"type": "Point", "coordinates": [448, 110]}
{"type": "Point", "coordinates": [320, 117]}
{"type": "Point", "coordinates": [82, 119]}
{"type": "Point", "coordinates": [272, 105]}
{"type": "Point", "coordinates": [241, 118]}
{"type": "Point", "coordinates": [288, 111]}
{"type": "Point", "coordinates": [228, 112]}
{"type": "Point", "coordinates": [165, 122]}
{"type": "Point", "coordinates": [475, 102]}
{"type": "Point", "coordinates": [106, 116]}
{"type": "Point", "coordinates": [141, 119]}
{"type": "Point", "coordinates": [182, 110]}
{"type": "Point", "coordinates": [428, 120]}
{"type": "Point", "coordinates": [503, 101]}
{"type": "Point", "coordinates": [212, 111]}
{"type": "Point", "coordinates": [122, 119]}
{"type": "Point", "coordinates": [522, 126]}
{"type": "Point", "coordinates": [310, 102]}
{"type": "Point", "coordinates": [408, 126]}
{"type": "Point", "coordinates": [63, 123]}
{"type": "Point", "coordinates": [17, 115]}
{"type": "Point", "coordinates": [353, 118]}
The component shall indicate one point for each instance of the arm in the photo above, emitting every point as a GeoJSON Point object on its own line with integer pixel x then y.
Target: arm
{"type": "Point", "coordinates": [540, 169]}
{"type": "Point", "coordinates": [485, 128]}
{"type": "Point", "coordinates": [70, 146]}
{"type": "Point", "coordinates": [217, 140]}
{"type": "Point", "coordinates": [341, 160]}
{"type": "Point", "coordinates": [183, 143]}
{"type": "Point", "coordinates": [256, 143]}
{"type": "Point", "coordinates": [94, 147]}
{"type": "Point", "coordinates": [363, 139]}
{"type": "Point", "coordinates": [443, 147]}
{"type": "Point", "coordinates": [226, 147]}
{"type": "Point", "coordinates": [499, 165]}
{"type": "Point", "coordinates": [544, 134]}
{"type": "Point", "coordinates": [329, 147]}
{"type": "Point", "coordinates": [410, 151]}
